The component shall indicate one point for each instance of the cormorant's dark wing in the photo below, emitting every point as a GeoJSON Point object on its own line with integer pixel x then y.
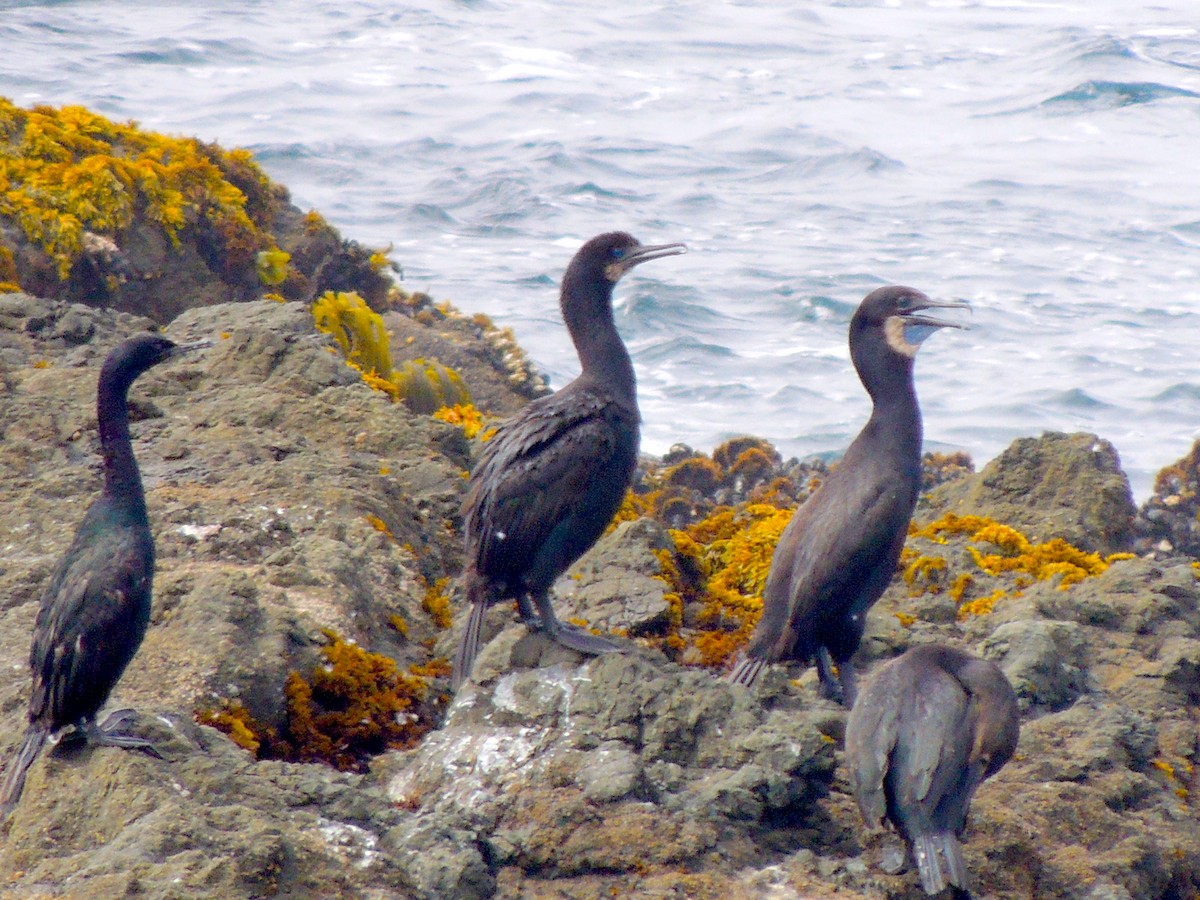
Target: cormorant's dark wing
{"type": "Point", "coordinates": [871, 731]}
{"type": "Point", "coordinates": [934, 741]}
{"type": "Point", "coordinates": [92, 619]}
{"type": "Point", "coordinates": [534, 495]}
{"type": "Point", "coordinates": [828, 557]}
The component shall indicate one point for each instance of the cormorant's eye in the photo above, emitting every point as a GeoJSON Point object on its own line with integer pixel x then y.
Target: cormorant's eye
{"type": "Point", "coordinates": [616, 252]}
{"type": "Point", "coordinates": [904, 302]}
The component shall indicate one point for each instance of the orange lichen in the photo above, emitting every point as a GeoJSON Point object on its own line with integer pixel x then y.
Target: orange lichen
{"type": "Point", "coordinates": [68, 172]}
{"type": "Point", "coordinates": [232, 717]}
{"type": "Point", "coordinates": [379, 525]}
{"type": "Point", "coordinates": [905, 619]}
{"type": "Point", "coordinates": [397, 621]}
{"type": "Point", "coordinates": [927, 570]}
{"type": "Point", "coordinates": [437, 603]}
{"type": "Point", "coordinates": [424, 386]}
{"type": "Point", "coordinates": [464, 415]}
{"type": "Point", "coordinates": [355, 705]}
{"type": "Point", "coordinates": [981, 606]}
{"type": "Point", "coordinates": [1015, 553]}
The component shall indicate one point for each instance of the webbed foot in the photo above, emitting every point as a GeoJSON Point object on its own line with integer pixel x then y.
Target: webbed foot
{"type": "Point", "coordinates": [571, 636]}
{"type": "Point", "coordinates": [112, 733]}
{"type": "Point", "coordinates": [584, 641]}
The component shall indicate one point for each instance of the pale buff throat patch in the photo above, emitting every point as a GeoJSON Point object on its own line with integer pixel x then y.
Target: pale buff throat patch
{"type": "Point", "coordinates": [893, 330]}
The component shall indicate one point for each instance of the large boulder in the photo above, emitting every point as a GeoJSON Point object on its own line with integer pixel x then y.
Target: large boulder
{"type": "Point", "coordinates": [1067, 486]}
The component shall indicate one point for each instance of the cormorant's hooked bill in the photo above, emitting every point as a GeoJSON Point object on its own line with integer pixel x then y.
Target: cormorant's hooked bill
{"type": "Point", "coordinates": [625, 258]}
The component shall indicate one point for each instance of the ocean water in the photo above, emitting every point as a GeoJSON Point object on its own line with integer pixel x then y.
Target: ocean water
{"type": "Point", "coordinates": [1039, 159]}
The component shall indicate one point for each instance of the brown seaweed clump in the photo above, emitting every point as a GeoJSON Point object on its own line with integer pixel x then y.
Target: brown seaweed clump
{"type": "Point", "coordinates": [354, 705]}
{"type": "Point", "coordinates": [1170, 519]}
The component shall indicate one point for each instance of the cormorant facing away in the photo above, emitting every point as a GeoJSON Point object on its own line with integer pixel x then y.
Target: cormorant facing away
{"type": "Point", "coordinates": [929, 727]}
{"type": "Point", "coordinates": [95, 608]}
{"type": "Point", "coordinates": [553, 476]}
{"type": "Point", "coordinates": [840, 549]}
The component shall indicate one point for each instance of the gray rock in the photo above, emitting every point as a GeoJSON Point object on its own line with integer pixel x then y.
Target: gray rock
{"type": "Point", "coordinates": [1041, 659]}
{"type": "Point", "coordinates": [614, 585]}
{"type": "Point", "coordinates": [1068, 486]}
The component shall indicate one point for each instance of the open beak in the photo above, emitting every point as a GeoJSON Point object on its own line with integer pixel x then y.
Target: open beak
{"type": "Point", "coordinates": [644, 253]}
{"type": "Point", "coordinates": [917, 327]}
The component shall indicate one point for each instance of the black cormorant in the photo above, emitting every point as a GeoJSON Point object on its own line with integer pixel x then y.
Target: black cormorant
{"type": "Point", "coordinates": [928, 728]}
{"type": "Point", "coordinates": [552, 477]}
{"type": "Point", "coordinates": [840, 549]}
{"type": "Point", "coordinates": [95, 608]}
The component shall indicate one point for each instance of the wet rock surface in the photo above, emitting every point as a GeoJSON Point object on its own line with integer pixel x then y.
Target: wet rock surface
{"type": "Point", "coordinates": [287, 497]}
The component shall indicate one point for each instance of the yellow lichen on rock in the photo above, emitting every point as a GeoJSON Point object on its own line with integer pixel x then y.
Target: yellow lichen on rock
{"type": "Point", "coordinates": [68, 171]}
{"type": "Point", "coordinates": [464, 415]}
{"type": "Point", "coordinates": [424, 386]}
{"type": "Point", "coordinates": [437, 603]}
{"type": "Point", "coordinates": [354, 705]}
{"type": "Point", "coordinates": [1013, 555]}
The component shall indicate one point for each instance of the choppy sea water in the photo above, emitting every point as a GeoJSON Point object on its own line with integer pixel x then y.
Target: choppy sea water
{"type": "Point", "coordinates": [1039, 159]}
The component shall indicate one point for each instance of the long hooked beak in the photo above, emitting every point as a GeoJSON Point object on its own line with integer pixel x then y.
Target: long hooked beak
{"type": "Point", "coordinates": [918, 327]}
{"type": "Point", "coordinates": [647, 252]}
{"type": "Point", "coordinates": [189, 347]}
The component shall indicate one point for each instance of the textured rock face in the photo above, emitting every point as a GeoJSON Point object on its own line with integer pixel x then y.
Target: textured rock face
{"type": "Point", "coordinates": [621, 765]}
{"type": "Point", "coordinates": [1067, 486]}
{"type": "Point", "coordinates": [270, 469]}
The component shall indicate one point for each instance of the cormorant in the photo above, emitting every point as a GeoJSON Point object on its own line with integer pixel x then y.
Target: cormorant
{"type": "Point", "coordinates": [840, 549]}
{"type": "Point", "coordinates": [552, 477]}
{"type": "Point", "coordinates": [929, 727]}
{"type": "Point", "coordinates": [95, 608]}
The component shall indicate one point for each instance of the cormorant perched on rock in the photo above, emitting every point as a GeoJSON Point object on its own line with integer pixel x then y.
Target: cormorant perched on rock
{"type": "Point", "coordinates": [928, 728]}
{"type": "Point", "coordinates": [840, 549]}
{"type": "Point", "coordinates": [552, 477]}
{"type": "Point", "coordinates": [95, 608]}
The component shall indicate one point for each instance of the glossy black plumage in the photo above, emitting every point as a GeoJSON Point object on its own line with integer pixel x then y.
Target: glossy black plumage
{"type": "Point", "coordinates": [840, 549]}
{"type": "Point", "coordinates": [552, 477]}
{"type": "Point", "coordinates": [928, 727]}
{"type": "Point", "coordinates": [96, 606]}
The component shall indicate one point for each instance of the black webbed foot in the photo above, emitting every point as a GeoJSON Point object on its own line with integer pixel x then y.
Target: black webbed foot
{"type": "Point", "coordinates": [112, 733]}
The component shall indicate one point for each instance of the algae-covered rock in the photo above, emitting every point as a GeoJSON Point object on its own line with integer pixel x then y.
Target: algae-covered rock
{"type": "Point", "coordinates": [107, 214]}
{"type": "Point", "coordinates": [291, 502]}
{"type": "Point", "coordinates": [1067, 486]}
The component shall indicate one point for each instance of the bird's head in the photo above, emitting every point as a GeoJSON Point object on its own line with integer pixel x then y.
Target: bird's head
{"type": "Point", "coordinates": [610, 256]}
{"type": "Point", "coordinates": [899, 312]}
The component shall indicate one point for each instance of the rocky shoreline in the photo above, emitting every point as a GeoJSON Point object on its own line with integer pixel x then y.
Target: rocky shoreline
{"type": "Point", "coordinates": [292, 503]}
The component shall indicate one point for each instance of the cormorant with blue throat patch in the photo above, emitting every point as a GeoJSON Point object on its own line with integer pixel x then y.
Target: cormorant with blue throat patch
{"type": "Point", "coordinates": [928, 727]}
{"type": "Point", "coordinates": [551, 479]}
{"type": "Point", "coordinates": [95, 609]}
{"type": "Point", "coordinates": [840, 549]}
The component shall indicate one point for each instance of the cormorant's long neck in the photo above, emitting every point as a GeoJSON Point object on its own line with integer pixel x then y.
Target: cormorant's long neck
{"type": "Point", "coordinates": [122, 481]}
{"type": "Point", "coordinates": [587, 310]}
{"type": "Point", "coordinates": [896, 416]}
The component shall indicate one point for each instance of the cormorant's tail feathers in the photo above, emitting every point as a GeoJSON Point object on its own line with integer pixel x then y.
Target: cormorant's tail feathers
{"type": "Point", "coordinates": [940, 862]}
{"type": "Point", "coordinates": [952, 851]}
{"type": "Point", "coordinates": [14, 778]}
{"type": "Point", "coordinates": [746, 672]}
{"type": "Point", "coordinates": [468, 647]}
